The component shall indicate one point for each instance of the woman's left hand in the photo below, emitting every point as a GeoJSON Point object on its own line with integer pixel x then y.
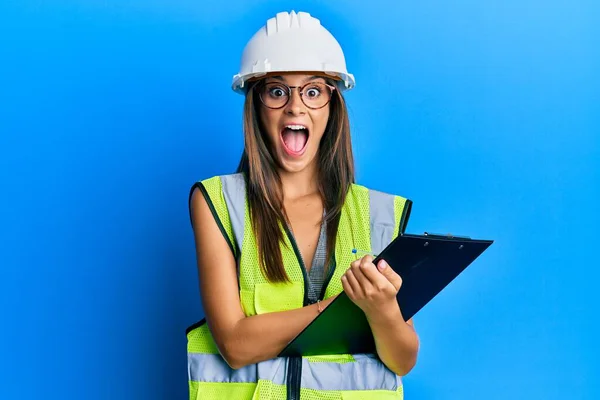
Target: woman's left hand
{"type": "Point", "coordinates": [372, 288]}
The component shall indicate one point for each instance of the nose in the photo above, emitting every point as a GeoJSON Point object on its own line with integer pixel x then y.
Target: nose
{"type": "Point", "coordinates": [295, 106]}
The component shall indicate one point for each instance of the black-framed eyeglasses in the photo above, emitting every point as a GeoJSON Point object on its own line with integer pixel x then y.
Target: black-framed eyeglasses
{"type": "Point", "coordinates": [314, 95]}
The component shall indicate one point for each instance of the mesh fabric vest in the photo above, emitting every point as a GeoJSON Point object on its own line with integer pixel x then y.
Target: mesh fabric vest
{"type": "Point", "coordinates": [369, 221]}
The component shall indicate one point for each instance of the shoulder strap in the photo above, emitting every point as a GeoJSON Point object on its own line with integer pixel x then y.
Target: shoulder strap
{"type": "Point", "coordinates": [234, 192]}
{"type": "Point", "coordinates": [388, 216]}
{"type": "Point", "coordinates": [225, 196]}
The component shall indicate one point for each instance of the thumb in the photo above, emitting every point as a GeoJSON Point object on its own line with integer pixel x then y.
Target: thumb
{"type": "Point", "coordinates": [390, 274]}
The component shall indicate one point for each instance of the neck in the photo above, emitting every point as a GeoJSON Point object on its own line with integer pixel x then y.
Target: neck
{"type": "Point", "coordinates": [300, 184]}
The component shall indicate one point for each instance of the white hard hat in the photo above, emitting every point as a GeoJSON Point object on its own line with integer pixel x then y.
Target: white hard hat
{"type": "Point", "coordinates": [292, 42]}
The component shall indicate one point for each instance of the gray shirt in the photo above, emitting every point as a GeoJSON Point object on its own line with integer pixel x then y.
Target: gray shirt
{"type": "Point", "coordinates": [316, 275]}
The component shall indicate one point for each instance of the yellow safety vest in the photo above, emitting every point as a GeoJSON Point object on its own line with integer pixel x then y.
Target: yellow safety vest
{"type": "Point", "coordinates": [369, 221]}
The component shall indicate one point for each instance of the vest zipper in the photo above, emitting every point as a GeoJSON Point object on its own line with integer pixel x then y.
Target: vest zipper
{"type": "Point", "coordinates": [294, 376]}
{"type": "Point", "coordinates": [294, 372]}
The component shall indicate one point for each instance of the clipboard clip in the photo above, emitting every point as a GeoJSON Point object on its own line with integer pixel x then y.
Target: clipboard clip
{"type": "Point", "coordinates": [446, 236]}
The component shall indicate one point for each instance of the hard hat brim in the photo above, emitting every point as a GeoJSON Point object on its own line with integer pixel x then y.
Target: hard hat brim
{"type": "Point", "coordinates": [345, 80]}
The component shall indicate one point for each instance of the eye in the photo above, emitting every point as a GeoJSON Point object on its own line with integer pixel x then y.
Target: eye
{"type": "Point", "coordinates": [313, 92]}
{"type": "Point", "coordinates": [277, 91]}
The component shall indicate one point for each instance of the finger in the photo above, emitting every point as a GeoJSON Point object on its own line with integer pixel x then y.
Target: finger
{"type": "Point", "coordinates": [367, 259]}
{"type": "Point", "coordinates": [369, 270]}
{"type": "Point", "coordinates": [347, 287]}
{"type": "Point", "coordinates": [359, 273]}
{"type": "Point", "coordinates": [355, 267]}
{"type": "Point", "coordinates": [355, 263]}
{"type": "Point", "coordinates": [354, 283]}
{"type": "Point", "coordinates": [389, 273]}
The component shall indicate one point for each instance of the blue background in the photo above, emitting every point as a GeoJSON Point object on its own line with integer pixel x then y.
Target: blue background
{"type": "Point", "coordinates": [484, 113]}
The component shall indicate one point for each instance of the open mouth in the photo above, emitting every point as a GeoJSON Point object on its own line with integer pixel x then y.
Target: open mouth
{"type": "Point", "coordinates": [294, 139]}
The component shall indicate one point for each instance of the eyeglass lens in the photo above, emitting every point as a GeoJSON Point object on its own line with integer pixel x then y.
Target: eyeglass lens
{"type": "Point", "coordinates": [313, 94]}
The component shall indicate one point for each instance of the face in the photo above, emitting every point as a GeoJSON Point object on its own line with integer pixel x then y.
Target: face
{"type": "Point", "coordinates": [295, 129]}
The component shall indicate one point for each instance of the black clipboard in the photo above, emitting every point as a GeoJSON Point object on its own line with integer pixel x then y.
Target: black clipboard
{"type": "Point", "coordinates": [427, 264]}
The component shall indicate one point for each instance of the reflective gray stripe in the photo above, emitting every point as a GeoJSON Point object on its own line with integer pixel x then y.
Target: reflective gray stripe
{"type": "Point", "coordinates": [234, 192]}
{"type": "Point", "coordinates": [213, 368]}
{"type": "Point", "coordinates": [381, 210]}
{"type": "Point", "coordinates": [366, 373]}
{"type": "Point", "coordinates": [273, 370]}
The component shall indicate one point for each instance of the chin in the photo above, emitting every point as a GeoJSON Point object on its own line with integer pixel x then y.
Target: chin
{"type": "Point", "coordinates": [295, 166]}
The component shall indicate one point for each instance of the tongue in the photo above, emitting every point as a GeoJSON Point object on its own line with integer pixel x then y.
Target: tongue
{"type": "Point", "coordinates": [294, 139]}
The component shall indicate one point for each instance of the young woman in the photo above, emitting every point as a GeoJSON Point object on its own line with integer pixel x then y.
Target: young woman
{"type": "Point", "coordinates": [274, 241]}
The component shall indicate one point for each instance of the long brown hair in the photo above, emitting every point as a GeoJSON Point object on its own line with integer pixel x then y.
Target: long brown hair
{"type": "Point", "coordinates": [265, 194]}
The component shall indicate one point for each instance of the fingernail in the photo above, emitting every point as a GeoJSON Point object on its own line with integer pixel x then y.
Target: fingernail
{"type": "Point", "coordinates": [383, 264]}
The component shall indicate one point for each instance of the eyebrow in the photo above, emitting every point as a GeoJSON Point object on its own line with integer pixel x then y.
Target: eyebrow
{"type": "Point", "coordinates": [310, 78]}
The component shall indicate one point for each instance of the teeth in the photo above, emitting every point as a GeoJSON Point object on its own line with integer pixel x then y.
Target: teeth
{"type": "Point", "coordinates": [295, 127]}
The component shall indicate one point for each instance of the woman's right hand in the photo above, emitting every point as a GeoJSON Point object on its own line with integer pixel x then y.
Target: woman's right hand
{"type": "Point", "coordinates": [372, 287]}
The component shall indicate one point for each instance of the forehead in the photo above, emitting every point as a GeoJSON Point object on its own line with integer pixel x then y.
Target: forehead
{"type": "Point", "coordinates": [294, 78]}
